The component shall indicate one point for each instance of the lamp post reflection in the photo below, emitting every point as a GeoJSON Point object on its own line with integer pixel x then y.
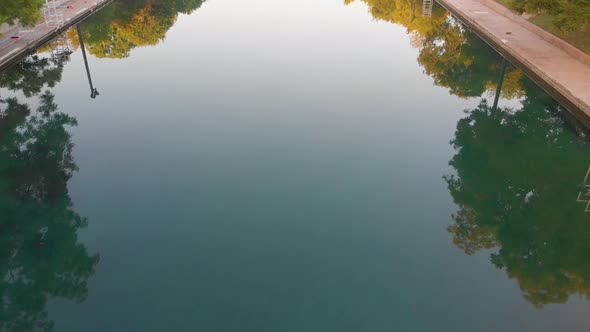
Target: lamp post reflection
{"type": "Point", "coordinates": [93, 90]}
{"type": "Point", "coordinates": [500, 82]}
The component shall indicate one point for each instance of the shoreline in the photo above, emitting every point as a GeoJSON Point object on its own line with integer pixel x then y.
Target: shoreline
{"type": "Point", "coordinates": [33, 38]}
{"type": "Point", "coordinates": [542, 56]}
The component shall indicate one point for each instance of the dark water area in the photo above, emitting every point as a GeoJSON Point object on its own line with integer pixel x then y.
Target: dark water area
{"type": "Point", "coordinates": [312, 165]}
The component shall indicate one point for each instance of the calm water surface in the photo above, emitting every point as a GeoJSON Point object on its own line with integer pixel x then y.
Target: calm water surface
{"type": "Point", "coordinates": [287, 165]}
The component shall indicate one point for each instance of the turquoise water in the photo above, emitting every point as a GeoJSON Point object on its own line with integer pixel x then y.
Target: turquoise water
{"type": "Point", "coordinates": [287, 166]}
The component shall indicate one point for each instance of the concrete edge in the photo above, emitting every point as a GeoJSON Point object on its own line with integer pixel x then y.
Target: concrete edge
{"type": "Point", "coordinates": [572, 103]}
{"type": "Point", "coordinates": [33, 46]}
{"type": "Point", "coordinates": [545, 35]}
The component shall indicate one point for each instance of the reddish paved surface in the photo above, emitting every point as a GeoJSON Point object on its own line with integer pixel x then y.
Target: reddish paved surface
{"type": "Point", "coordinates": [566, 75]}
{"type": "Point", "coordinates": [28, 37]}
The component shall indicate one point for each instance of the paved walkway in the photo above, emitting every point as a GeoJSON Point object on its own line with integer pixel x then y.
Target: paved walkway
{"type": "Point", "coordinates": [12, 49]}
{"type": "Point", "coordinates": [565, 75]}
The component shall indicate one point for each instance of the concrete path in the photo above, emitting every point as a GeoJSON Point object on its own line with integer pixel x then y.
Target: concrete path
{"type": "Point", "coordinates": [562, 72]}
{"type": "Point", "coordinates": [28, 39]}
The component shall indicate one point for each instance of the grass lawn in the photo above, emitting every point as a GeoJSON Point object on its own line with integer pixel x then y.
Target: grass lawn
{"type": "Point", "coordinates": [580, 39]}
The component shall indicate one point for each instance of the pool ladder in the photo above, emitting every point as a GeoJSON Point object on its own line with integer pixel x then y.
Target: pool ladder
{"type": "Point", "coordinates": [427, 8]}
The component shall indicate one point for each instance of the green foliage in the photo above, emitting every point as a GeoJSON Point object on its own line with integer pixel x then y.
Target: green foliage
{"type": "Point", "coordinates": [458, 59]}
{"type": "Point", "coordinates": [518, 174]}
{"type": "Point", "coordinates": [31, 74]}
{"type": "Point", "coordinates": [27, 12]}
{"type": "Point", "coordinates": [453, 56]}
{"type": "Point", "coordinates": [125, 25]}
{"type": "Point", "coordinates": [567, 15]}
{"type": "Point", "coordinates": [40, 256]}
{"type": "Point", "coordinates": [407, 13]}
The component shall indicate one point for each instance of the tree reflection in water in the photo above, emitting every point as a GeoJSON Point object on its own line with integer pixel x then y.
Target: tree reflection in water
{"type": "Point", "coordinates": [518, 171]}
{"type": "Point", "coordinates": [454, 56]}
{"type": "Point", "coordinates": [518, 174]}
{"type": "Point", "coordinates": [40, 255]}
{"type": "Point", "coordinates": [124, 25]}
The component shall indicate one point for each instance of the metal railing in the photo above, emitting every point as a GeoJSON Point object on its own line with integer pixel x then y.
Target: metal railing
{"type": "Point", "coordinates": [427, 8]}
{"type": "Point", "coordinates": [54, 17]}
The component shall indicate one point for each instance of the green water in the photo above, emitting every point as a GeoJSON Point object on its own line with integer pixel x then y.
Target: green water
{"type": "Point", "coordinates": [287, 166]}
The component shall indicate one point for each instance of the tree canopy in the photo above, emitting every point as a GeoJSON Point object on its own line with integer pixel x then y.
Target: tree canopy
{"type": "Point", "coordinates": [27, 12]}
{"type": "Point", "coordinates": [33, 73]}
{"type": "Point", "coordinates": [518, 174]}
{"type": "Point", "coordinates": [458, 59]}
{"type": "Point", "coordinates": [40, 256]}
{"type": "Point", "coordinates": [124, 25]}
{"type": "Point", "coordinates": [452, 55]}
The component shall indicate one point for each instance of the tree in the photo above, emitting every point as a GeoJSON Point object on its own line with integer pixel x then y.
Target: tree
{"type": "Point", "coordinates": [125, 25]}
{"type": "Point", "coordinates": [33, 73]}
{"type": "Point", "coordinates": [40, 256]}
{"type": "Point", "coordinates": [518, 173]}
{"type": "Point", "coordinates": [458, 59]}
{"type": "Point", "coordinates": [407, 13]}
{"type": "Point", "coordinates": [568, 15]}
{"type": "Point", "coordinates": [452, 55]}
{"type": "Point", "coordinates": [26, 12]}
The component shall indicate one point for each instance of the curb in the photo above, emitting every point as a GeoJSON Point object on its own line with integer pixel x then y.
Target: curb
{"type": "Point", "coordinates": [31, 47]}
{"type": "Point", "coordinates": [577, 107]}
{"type": "Point", "coordinates": [545, 35]}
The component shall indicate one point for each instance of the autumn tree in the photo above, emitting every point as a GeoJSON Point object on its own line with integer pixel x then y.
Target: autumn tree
{"type": "Point", "coordinates": [458, 59]}
{"type": "Point", "coordinates": [452, 55]}
{"type": "Point", "coordinates": [125, 25]}
{"type": "Point", "coordinates": [407, 13]}
{"type": "Point", "coordinates": [518, 174]}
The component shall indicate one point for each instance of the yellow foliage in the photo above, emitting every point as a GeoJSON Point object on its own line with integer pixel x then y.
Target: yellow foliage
{"type": "Point", "coordinates": [144, 28]}
{"type": "Point", "coordinates": [407, 13]}
{"type": "Point", "coordinates": [442, 42]}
